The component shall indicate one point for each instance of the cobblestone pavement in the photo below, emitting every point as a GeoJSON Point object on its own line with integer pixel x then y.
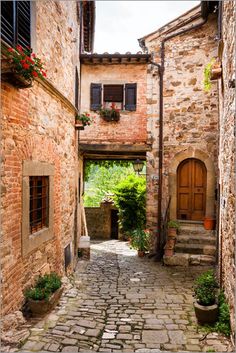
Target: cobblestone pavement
{"type": "Point", "coordinates": [122, 303]}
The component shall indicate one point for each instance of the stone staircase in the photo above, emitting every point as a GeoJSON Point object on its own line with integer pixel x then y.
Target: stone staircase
{"type": "Point", "coordinates": [194, 246]}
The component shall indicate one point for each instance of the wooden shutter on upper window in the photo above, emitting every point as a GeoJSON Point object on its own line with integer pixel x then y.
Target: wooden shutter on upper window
{"type": "Point", "coordinates": [7, 22]}
{"type": "Point", "coordinates": [15, 23]}
{"type": "Point", "coordinates": [130, 96]}
{"type": "Point", "coordinates": [23, 23]}
{"type": "Point", "coordinates": [95, 96]}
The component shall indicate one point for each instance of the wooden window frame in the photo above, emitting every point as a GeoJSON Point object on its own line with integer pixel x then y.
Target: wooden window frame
{"type": "Point", "coordinates": [31, 241]}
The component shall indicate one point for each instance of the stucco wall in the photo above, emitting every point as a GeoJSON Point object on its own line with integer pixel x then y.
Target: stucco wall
{"type": "Point", "coordinates": [37, 126]}
{"type": "Point", "coordinates": [132, 125]}
{"type": "Point", "coordinates": [190, 114]}
{"type": "Point", "coordinates": [227, 157]}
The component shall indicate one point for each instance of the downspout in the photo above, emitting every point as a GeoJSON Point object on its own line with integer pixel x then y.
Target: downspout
{"type": "Point", "coordinates": [161, 112]}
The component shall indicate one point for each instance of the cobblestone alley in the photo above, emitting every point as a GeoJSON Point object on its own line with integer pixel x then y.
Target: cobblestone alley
{"type": "Point", "coordinates": [122, 303]}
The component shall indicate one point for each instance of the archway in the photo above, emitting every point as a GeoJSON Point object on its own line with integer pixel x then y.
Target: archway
{"type": "Point", "coordinates": [210, 179]}
{"type": "Point", "coordinates": [191, 190]}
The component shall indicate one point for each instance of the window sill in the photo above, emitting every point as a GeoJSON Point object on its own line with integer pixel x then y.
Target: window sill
{"type": "Point", "coordinates": [9, 75]}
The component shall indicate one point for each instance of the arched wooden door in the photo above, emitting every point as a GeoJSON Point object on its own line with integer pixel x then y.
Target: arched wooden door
{"type": "Point", "coordinates": [191, 190]}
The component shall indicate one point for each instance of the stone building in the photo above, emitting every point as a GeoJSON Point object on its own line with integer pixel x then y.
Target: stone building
{"type": "Point", "coordinates": [226, 159]}
{"type": "Point", "coordinates": [40, 221]}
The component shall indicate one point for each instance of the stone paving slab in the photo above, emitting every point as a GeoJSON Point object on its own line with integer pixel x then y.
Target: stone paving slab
{"type": "Point", "coordinates": [122, 303]}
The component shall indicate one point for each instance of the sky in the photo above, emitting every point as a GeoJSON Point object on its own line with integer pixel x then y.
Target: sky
{"type": "Point", "coordinates": [120, 23]}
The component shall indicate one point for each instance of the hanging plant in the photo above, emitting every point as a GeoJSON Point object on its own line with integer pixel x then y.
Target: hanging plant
{"type": "Point", "coordinates": [212, 71]}
{"type": "Point", "coordinates": [84, 118]}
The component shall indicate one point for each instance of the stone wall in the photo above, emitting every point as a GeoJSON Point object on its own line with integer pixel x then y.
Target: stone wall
{"type": "Point", "coordinates": [99, 221]}
{"type": "Point", "coordinates": [227, 157]}
{"type": "Point", "coordinates": [38, 126]}
{"type": "Point", "coordinates": [190, 114]}
{"type": "Point", "coordinates": [132, 125]}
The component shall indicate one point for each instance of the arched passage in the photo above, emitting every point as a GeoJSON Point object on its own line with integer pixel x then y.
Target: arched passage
{"type": "Point", "coordinates": [210, 180]}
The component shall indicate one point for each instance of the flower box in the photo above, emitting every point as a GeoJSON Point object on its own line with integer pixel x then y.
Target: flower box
{"type": "Point", "coordinates": [110, 114]}
{"type": "Point", "coordinates": [9, 74]}
{"type": "Point", "coordinates": [42, 307]}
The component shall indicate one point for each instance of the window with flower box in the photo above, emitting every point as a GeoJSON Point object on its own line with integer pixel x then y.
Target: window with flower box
{"type": "Point", "coordinates": [124, 96]}
{"type": "Point", "coordinates": [16, 23]}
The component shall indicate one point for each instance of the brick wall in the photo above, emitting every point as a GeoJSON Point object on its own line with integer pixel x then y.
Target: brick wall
{"type": "Point", "coordinates": [132, 125]}
{"type": "Point", "coordinates": [38, 126]}
{"type": "Point", "coordinates": [227, 157]}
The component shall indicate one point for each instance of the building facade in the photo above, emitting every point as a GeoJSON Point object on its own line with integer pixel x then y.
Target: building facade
{"type": "Point", "coordinates": [39, 191]}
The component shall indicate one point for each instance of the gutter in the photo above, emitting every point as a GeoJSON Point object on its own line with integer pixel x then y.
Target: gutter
{"type": "Point", "coordinates": [161, 68]}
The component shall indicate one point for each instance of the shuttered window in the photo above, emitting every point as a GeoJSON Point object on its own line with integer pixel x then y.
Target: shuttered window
{"type": "Point", "coordinates": [130, 96]}
{"type": "Point", "coordinates": [113, 93]}
{"type": "Point", "coordinates": [76, 88]}
{"type": "Point", "coordinates": [15, 23]}
{"type": "Point", "coordinates": [95, 96]}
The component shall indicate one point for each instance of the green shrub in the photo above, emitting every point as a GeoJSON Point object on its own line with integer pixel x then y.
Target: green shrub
{"type": "Point", "coordinates": [223, 323]}
{"type": "Point", "coordinates": [44, 287]}
{"type": "Point", "coordinates": [130, 199]}
{"type": "Point", "coordinates": [173, 224]}
{"type": "Point", "coordinates": [139, 239]}
{"type": "Point", "coordinates": [205, 288]}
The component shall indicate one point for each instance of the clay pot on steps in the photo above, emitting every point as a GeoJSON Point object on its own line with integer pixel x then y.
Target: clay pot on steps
{"type": "Point", "coordinates": [209, 223]}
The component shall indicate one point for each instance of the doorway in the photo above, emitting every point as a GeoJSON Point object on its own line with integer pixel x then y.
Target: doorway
{"type": "Point", "coordinates": [114, 224]}
{"type": "Point", "coordinates": [191, 190]}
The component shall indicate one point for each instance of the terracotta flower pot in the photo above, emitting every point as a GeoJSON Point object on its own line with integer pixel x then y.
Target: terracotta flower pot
{"type": "Point", "coordinates": [209, 223]}
{"type": "Point", "coordinates": [141, 253]}
{"type": "Point", "coordinates": [172, 232]}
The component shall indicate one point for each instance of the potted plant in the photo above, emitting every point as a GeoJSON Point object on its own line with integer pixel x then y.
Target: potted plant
{"type": "Point", "coordinates": [110, 114]}
{"type": "Point", "coordinates": [169, 248]}
{"type": "Point", "coordinates": [21, 66]}
{"type": "Point", "coordinates": [205, 290]}
{"type": "Point", "coordinates": [173, 227]}
{"type": "Point", "coordinates": [139, 240]}
{"type": "Point", "coordinates": [83, 118]}
{"type": "Point", "coordinates": [212, 71]}
{"type": "Point", "coordinates": [45, 294]}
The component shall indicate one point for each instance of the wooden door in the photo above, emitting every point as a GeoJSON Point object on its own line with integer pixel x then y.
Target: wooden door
{"type": "Point", "coordinates": [191, 190]}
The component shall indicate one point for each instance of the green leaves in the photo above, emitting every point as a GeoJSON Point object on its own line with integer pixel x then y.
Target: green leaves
{"type": "Point", "coordinates": [130, 199]}
{"type": "Point", "coordinates": [45, 286]}
{"type": "Point", "coordinates": [205, 288]}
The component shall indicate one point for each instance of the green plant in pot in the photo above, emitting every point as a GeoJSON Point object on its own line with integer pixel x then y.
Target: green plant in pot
{"type": "Point", "coordinates": [139, 240]}
{"type": "Point", "coordinates": [205, 290]}
{"type": "Point", "coordinates": [173, 227]}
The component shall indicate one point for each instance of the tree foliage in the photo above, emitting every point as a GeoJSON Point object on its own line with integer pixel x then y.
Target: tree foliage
{"type": "Point", "coordinates": [101, 179]}
{"type": "Point", "coordinates": [130, 199]}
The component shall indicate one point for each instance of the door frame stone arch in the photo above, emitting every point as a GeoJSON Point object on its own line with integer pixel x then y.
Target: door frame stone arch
{"type": "Point", "coordinates": [210, 187]}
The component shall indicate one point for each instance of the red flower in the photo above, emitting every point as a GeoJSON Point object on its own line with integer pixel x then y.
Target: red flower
{"type": "Point", "coordinates": [25, 66]}
{"type": "Point", "coordinates": [33, 56]}
{"type": "Point", "coordinates": [10, 50]}
{"type": "Point", "coordinates": [44, 74]}
{"type": "Point", "coordinates": [19, 47]}
{"type": "Point", "coordinates": [34, 73]}
{"type": "Point", "coordinates": [30, 60]}
{"type": "Point", "coordinates": [22, 61]}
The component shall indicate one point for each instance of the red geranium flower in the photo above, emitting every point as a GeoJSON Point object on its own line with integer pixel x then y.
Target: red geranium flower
{"type": "Point", "coordinates": [25, 66]}
{"type": "Point", "coordinates": [34, 73]}
{"type": "Point", "coordinates": [10, 50]}
{"type": "Point", "coordinates": [19, 47]}
{"type": "Point", "coordinates": [44, 74]}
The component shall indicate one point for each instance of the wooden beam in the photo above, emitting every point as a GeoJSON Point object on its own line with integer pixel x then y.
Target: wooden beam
{"type": "Point", "coordinates": [99, 148]}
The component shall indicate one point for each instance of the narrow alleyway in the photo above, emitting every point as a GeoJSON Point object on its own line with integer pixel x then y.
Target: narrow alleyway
{"type": "Point", "coordinates": [122, 303]}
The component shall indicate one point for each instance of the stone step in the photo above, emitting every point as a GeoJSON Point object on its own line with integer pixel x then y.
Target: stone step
{"type": "Point", "coordinates": [181, 259]}
{"type": "Point", "coordinates": [196, 239]}
{"type": "Point", "coordinates": [200, 249]}
{"type": "Point", "coordinates": [193, 229]}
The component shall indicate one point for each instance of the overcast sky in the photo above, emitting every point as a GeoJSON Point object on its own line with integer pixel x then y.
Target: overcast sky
{"type": "Point", "coordinates": [120, 23]}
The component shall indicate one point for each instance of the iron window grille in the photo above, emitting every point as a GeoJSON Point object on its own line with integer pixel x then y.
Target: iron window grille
{"type": "Point", "coordinates": [39, 202]}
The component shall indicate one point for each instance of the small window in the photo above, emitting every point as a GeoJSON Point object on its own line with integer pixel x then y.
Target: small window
{"type": "Point", "coordinates": [39, 195]}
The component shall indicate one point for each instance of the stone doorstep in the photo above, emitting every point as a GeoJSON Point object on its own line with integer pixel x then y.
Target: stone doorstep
{"type": "Point", "coordinates": [183, 259]}
{"type": "Point", "coordinates": [196, 239]}
{"type": "Point", "coordinates": [195, 249]}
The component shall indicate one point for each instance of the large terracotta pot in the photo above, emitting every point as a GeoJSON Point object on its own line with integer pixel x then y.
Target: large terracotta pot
{"type": "Point", "coordinates": [209, 223]}
{"type": "Point", "coordinates": [206, 314]}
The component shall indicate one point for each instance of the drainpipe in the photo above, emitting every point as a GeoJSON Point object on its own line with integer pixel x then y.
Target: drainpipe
{"type": "Point", "coordinates": [161, 69]}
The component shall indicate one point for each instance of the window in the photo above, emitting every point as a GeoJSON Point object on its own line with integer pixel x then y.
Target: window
{"type": "Point", "coordinates": [16, 22]}
{"type": "Point", "coordinates": [124, 96]}
{"type": "Point", "coordinates": [76, 88]}
{"type": "Point", "coordinates": [39, 195]}
{"type": "Point", "coordinates": [37, 204]}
